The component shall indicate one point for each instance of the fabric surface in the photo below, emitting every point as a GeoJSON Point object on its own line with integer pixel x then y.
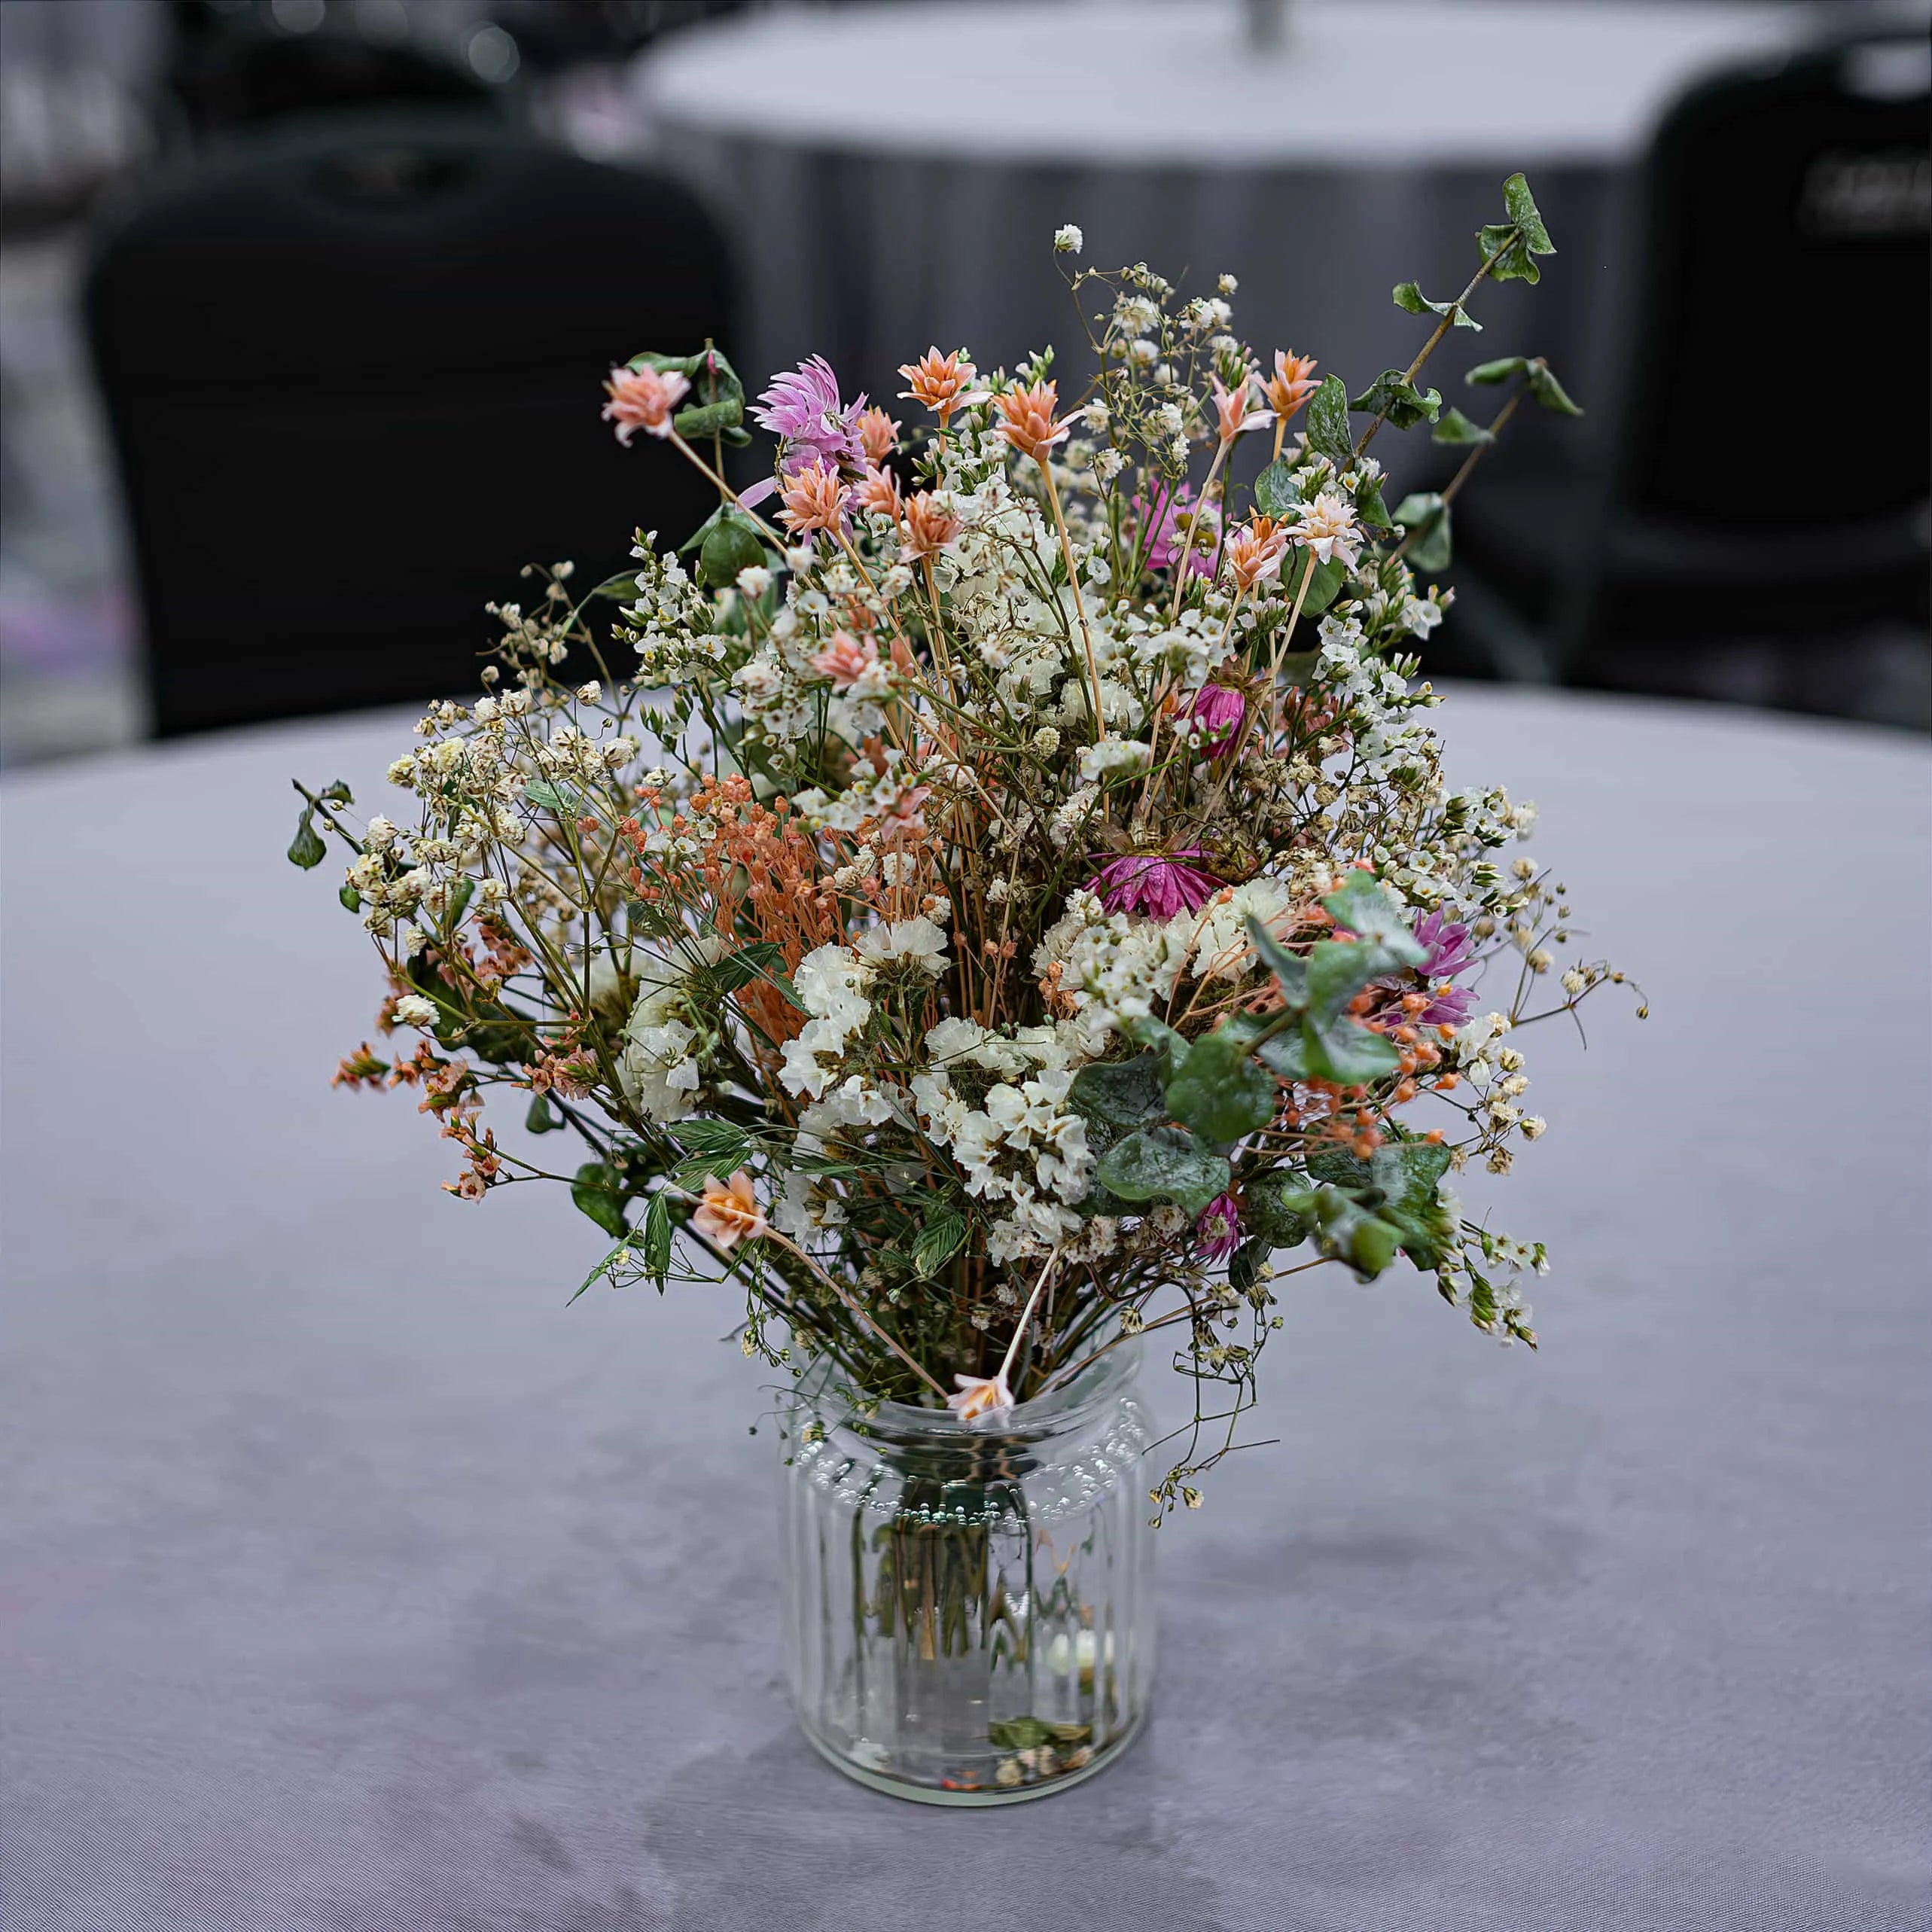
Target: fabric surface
{"type": "Point", "coordinates": [353, 1584]}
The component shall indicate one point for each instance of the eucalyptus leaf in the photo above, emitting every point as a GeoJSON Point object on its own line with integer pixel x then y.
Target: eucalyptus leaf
{"type": "Point", "coordinates": [307, 849]}
{"type": "Point", "coordinates": [1164, 1163]}
{"type": "Point", "coordinates": [1221, 1093]}
{"type": "Point", "coordinates": [1324, 584]}
{"type": "Point", "coordinates": [1523, 212]}
{"type": "Point", "coordinates": [1123, 1093]}
{"type": "Point", "coordinates": [733, 546]}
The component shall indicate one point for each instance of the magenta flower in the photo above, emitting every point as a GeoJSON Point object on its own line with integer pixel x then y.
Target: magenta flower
{"type": "Point", "coordinates": [1218, 711]}
{"type": "Point", "coordinates": [1217, 1231]}
{"type": "Point", "coordinates": [1164, 541]}
{"type": "Point", "coordinates": [802, 409]}
{"type": "Point", "coordinates": [1448, 946]}
{"type": "Point", "coordinates": [1157, 883]}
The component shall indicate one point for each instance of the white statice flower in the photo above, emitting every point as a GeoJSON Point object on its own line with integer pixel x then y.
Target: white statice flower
{"type": "Point", "coordinates": [1224, 949]}
{"type": "Point", "coordinates": [1111, 753]}
{"type": "Point", "coordinates": [916, 942]}
{"type": "Point", "coordinates": [656, 1070]}
{"type": "Point", "coordinates": [413, 1010]}
{"type": "Point", "coordinates": [831, 982]}
{"type": "Point", "coordinates": [1068, 240]}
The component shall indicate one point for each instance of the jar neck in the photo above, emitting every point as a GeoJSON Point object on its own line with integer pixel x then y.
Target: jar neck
{"type": "Point", "coordinates": [936, 1442]}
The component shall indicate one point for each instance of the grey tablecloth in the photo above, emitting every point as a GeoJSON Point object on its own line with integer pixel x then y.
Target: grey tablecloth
{"type": "Point", "coordinates": [893, 176]}
{"type": "Point", "coordinates": [353, 1586]}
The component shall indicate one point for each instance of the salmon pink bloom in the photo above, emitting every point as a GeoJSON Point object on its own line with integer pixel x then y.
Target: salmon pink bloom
{"type": "Point", "coordinates": [1218, 712]}
{"type": "Point", "coordinates": [643, 399]}
{"type": "Point", "coordinates": [878, 434]}
{"type": "Point", "coordinates": [980, 1396]}
{"type": "Point", "coordinates": [814, 499]}
{"type": "Point", "coordinates": [846, 659]}
{"type": "Point", "coordinates": [1255, 551]}
{"type": "Point", "coordinates": [728, 1212]}
{"type": "Point", "coordinates": [1291, 384]}
{"type": "Point", "coordinates": [1232, 406]}
{"type": "Point", "coordinates": [1329, 528]}
{"type": "Point", "coordinates": [942, 383]}
{"type": "Point", "coordinates": [878, 491]}
{"type": "Point", "coordinates": [1029, 426]}
{"type": "Point", "coordinates": [930, 526]}
{"type": "Point", "coordinates": [1157, 883]}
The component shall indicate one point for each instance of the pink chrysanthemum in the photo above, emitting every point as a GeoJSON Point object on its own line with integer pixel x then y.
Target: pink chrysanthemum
{"type": "Point", "coordinates": [1159, 884]}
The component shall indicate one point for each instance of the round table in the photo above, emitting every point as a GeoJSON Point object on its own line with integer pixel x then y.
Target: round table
{"type": "Point", "coordinates": [893, 176]}
{"type": "Point", "coordinates": [353, 1582]}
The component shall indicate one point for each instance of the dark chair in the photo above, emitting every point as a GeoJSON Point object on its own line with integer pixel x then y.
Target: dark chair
{"type": "Point", "coordinates": [1769, 479]}
{"type": "Point", "coordinates": [353, 374]}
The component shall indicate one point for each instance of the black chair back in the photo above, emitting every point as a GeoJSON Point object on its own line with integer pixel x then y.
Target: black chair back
{"type": "Point", "coordinates": [353, 377]}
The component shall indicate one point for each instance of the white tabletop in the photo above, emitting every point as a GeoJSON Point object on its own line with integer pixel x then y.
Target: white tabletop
{"type": "Point", "coordinates": [1141, 83]}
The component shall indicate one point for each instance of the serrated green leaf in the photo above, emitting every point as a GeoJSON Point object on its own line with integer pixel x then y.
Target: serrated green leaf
{"type": "Point", "coordinates": [937, 1241]}
{"type": "Point", "coordinates": [1164, 1163]}
{"type": "Point", "coordinates": [1123, 1093]}
{"type": "Point", "coordinates": [1397, 402]}
{"type": "Point", "coordinates": [1328, 434]}
{"type": "Point", "coordinates": [657, 1242]}
{"type": "Point", "coordinates": [1409, 297]}
{"type": "Point", "coordinates": [1221, 1093]}
{"type": "Point", "coordinates": [307, 849]}
{"type": "Point", "coordinates": [1455, 427]}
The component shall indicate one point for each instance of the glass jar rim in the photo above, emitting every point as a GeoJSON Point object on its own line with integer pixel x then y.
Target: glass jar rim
{"type": "Point", "coordinates": [1058, 1412]}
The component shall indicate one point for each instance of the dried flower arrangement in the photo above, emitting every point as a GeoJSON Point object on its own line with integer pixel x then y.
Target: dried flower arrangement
{"type": "Point", "coordinates": [1000, 904]}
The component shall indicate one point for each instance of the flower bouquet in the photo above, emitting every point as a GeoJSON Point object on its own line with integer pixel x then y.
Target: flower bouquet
{"type": "Point", "coordinates": [992, 904]}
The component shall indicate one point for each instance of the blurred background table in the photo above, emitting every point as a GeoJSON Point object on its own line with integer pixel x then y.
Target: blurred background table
{"type": "Point", "coordinates": [350, 1583]}
{"type": "Point", "coordinates": [894, 174]}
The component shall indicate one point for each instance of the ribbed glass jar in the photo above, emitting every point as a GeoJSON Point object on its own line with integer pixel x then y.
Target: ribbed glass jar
{"type": "Point", "coordinates": [968, 1606]}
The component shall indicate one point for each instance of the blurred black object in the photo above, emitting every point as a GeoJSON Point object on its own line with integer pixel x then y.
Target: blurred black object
{"type": "Point", "coordinates": [353, 377]}
{"type": "Point", "coordinates": [1770, 476]}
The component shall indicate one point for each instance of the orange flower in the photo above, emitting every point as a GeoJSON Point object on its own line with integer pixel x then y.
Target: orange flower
{"type": "Point", "coordinates": [729, 1213]}
{"type": "Point", "coordinates": [878, 434]}
{"type": "Point", "coordinates": [846, 659]}
{"type": "Point", "coordinates": [942, 383]}
{"type": "Point", "coordinates": [1291, 384]}
{"type": "Point", "coordinates": [930, 526]}
{"type": "Point", "coordinates": [643, 399]}
{"type": "Point", "coordinates": [1029, 424]}
{"type": "Point", "coordinates": [814, 499]}
{"type": "Point", "coordinates": [1254, 551]}
{"type": "Point", "coordinates": [879, 492]}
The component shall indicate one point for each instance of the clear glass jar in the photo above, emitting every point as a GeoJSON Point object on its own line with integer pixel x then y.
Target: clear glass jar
{"type": "Point", "coordinates": [968, 1606]}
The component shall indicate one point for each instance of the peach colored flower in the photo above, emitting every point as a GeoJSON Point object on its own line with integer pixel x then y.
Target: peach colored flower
{"type": "Point", "coordinates": [980, 1396]}
{"type": "Point", "coordinates": [1255, 551]}
{"type": "Point", "coordinates": [1029, 426]}
{"type": "Point", "coordinates": [846, 659]}
{"type": "Point", "coordinates": [878, 491]}
{"type": "Point", "coordinates": [942, 383]}
{"type": "Point", "coordinates": [930, 526]}
{"type": "Point", "coordinates": [1232, 407]}
{"type": "Point", "coordinates": [1329, 528]}
{"type": "Point", "coordinates": [643, 399]}
{"type": "Point", "coordinates": [729, 1212]}
{"type": "Point", "coordinates": [878, 434]}
{"type": "Point", "coordinates": [814, 499]}
{"type": "Point", "coordinates": [1291, 384]}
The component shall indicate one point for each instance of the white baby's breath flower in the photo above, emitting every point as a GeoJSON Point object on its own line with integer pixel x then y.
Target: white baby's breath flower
{"type": "Point", "coordinates": [1068, 240]}
{"type": "Point", "coordinates": [754, 580]}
